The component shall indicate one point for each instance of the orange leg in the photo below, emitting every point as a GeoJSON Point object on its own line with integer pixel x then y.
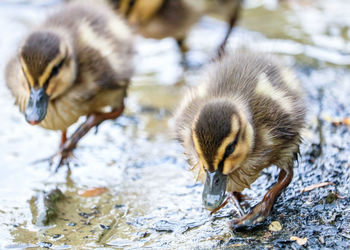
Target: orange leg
{"type": "Point", "coordinates": [232, 22]}
{"type": "Point", "coordinates": [241, 197]}
{"type": "Point", "coordinates": [92, 120]}
{"type": "Point", "coordinates": [63, 137]}
{"type": "Point", "coordinates": [182, 45]}
{"type": "Point", "coordinates": [263, 209]}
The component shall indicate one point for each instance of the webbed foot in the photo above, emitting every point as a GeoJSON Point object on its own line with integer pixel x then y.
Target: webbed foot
{"type": "Point", "coordinates": [262, 210]}
{"type": "Point", "coordinates": [258, 214]}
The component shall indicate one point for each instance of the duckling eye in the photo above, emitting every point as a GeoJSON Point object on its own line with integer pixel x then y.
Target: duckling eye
{"type": "Point", "coordinates": [56, 69]}
{"type": "Point", "coordinates": [230, 148]}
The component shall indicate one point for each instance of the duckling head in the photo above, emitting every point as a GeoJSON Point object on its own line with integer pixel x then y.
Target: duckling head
{"type": "Point", "coordinates": [49, 68]}
{"type": "Point", "coordinates": [223, 138]}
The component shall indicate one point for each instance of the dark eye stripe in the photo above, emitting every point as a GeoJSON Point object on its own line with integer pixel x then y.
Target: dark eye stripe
{"type": "Point", "coordinates": [231, 147]}
{"type": "Point", "coordinates": [54, 71]}
{"type": "Point", "coordinates": [229, 150]}
{"type": "Point", "coordinates": [56, 68]}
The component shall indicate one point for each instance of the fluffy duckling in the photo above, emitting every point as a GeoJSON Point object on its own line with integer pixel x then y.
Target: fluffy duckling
{"type": "Point", "coordinates": [245, 117]}
{"type": "Point", "coordinates": [167, 18]}
{"type": "Point", "coordinates": [77, 63]}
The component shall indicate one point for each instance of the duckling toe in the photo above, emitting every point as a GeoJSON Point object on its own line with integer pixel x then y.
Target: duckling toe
{"type": "Point", "coordinates": [61, 158]}
{"type": "Point", "coordinates": [254, 218]}
{"type": "Point", "coordinates": [57, 160]}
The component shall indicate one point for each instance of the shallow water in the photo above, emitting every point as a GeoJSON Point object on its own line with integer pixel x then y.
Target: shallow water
{"type": "Point", "coordinates": [152, 200]}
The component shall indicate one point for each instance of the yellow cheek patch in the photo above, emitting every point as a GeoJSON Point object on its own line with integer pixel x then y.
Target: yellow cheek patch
{"type": "Point", "coordinates": [231, 165]}
{"type": "Point", "coordinates": [26, 73]}
{"type": "Point", "coordinates": [199, 151]}
{"type": "Point", "coordinates": [265, 88]}
{"type": "Point", "coordinates": [52, 87]}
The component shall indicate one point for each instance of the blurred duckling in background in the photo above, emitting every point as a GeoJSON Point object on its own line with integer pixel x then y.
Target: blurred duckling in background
{"type": "Point", "coordinates": [77, 63]}
{"type": "Point", "coordinates": [247, 116]}
{"type": "Point", "coordinates": [168, 18]}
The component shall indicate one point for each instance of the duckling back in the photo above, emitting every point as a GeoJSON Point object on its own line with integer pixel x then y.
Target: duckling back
{"type": "Point", "coordinates": [269, 90]}
{"type": "Point", "coordinates": [103, 43]}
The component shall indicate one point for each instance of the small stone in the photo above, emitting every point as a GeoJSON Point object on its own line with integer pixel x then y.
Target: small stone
{"type": "Point", "coordinates": [321, 239]}
{"type": "Point", "coordinates": [55, 236]}
{"type": "Point", "coordinates": [331, 197]}
{"type": "Point", "coordinates": [45, 244]}
{"type": "Point", "coordinates": [300, 241]}
{"type": "Point", "coordinates": [117, 206]}
{"type": "Point", "coordinates": [85, 215]}
{"type": "Point", "coordinates": [111, 163]}
{"type": "Point", "coordinates": [105, 227]}
{"type": "Point", "coordinates": [72, 224]}
{"type": "Point", "coordinates": [143, 234]}
{"type": "Point", "coordinates": [267, 235]}
{"type": "Point", "coordinates": [275, 226]}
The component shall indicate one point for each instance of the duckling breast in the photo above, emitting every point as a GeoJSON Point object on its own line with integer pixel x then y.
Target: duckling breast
{"type": "Point", "coordinates": [62, 113]}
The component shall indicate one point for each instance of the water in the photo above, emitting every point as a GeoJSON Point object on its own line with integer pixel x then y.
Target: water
{"type": "Point", "coordinates": [152, 199]}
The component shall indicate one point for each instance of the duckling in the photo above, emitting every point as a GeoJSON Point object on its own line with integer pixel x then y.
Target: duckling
{"type": "Point", "coordinates": [166, 18]}
{"type": "Point", "coordinates": [247, 116]}
{"type": "Point", "coordinates": [78, 62]}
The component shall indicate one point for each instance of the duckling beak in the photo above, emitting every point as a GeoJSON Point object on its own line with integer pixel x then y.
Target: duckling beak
{"type": "Point", "coordinates": [37, 106]}
{"type": "Point", "coordinates": [214, 190]}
